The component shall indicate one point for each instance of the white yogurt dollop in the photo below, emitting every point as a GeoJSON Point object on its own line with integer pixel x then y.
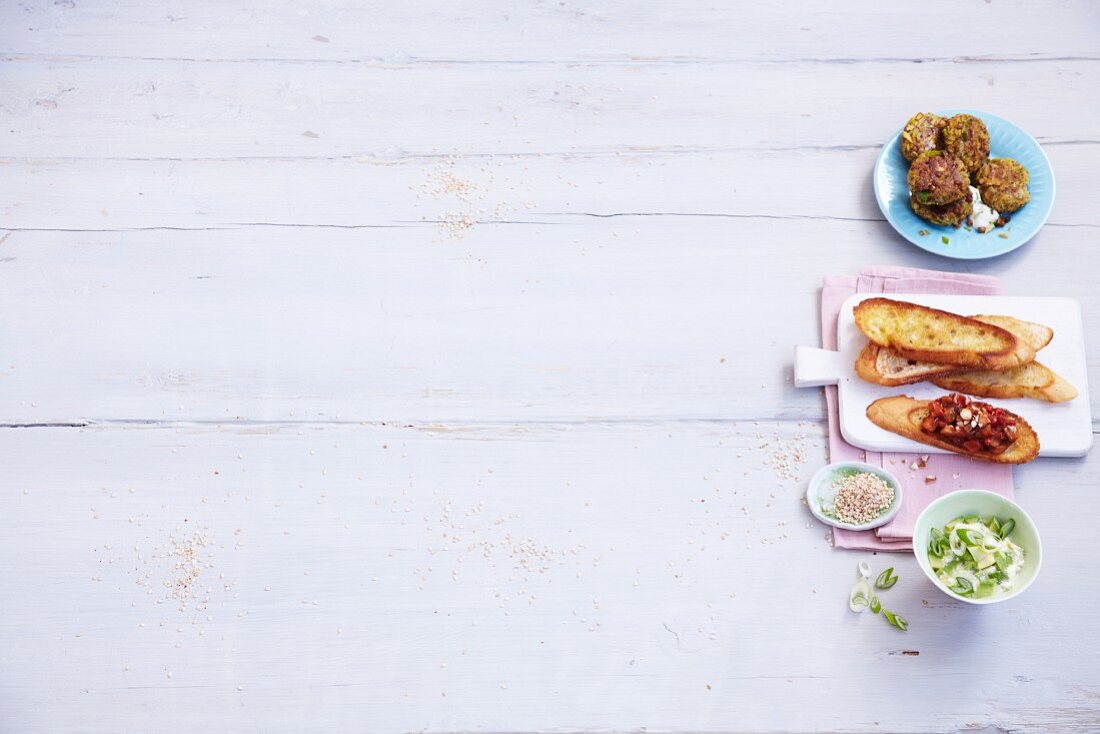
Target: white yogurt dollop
{"type": "Point", "coordinates": [983, 217]}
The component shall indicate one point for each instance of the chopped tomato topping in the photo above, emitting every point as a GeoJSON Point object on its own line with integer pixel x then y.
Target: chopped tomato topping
{"type": "Point", "coordinates": [972, 426]}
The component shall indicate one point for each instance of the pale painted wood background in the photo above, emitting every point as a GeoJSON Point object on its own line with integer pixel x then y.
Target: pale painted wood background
{"type": "Point", "coordinates": [520, 475]}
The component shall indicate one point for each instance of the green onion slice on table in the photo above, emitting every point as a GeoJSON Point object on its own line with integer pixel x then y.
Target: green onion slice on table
{"type": "Point", "coordinates": [896, 620]}
{"type": "Point", "coordinates": [886, 579]}
{"type": "Point", "coordinates": [860, 597]}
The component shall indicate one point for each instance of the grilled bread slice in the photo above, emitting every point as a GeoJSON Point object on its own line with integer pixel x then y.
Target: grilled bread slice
{"type": "Point", "coordinates": [1036, 335]}
{"type": "Point", "coordinates": [1033, 380]}
{"type": "Point", "coordinates": [884, 366]}
{"type": "Point", "coordinates": [930, 335]}
{"type": "Point", "coordinates": [902, 415]}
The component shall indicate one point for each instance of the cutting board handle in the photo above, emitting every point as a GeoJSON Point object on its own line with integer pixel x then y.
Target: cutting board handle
{"type": "Point", "coordinates": [815, 367]}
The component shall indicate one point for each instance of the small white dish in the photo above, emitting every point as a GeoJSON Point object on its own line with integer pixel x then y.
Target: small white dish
{"type": "Point", "coordinates": [822, 489]}
{"type": "Point", "coordinates": [983, 503]}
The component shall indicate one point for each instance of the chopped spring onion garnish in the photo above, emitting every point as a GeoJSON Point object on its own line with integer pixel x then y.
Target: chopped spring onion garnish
{"type": "Point", "coordinates": [896, 620]}
{"type": "Point", "coordinates": [973, 557]}
{"type": "Point", "coordinates": [886, 579]}
{"type": "Point", "coordinates": [862, 597]}
{"type": "Point", "coordinates": [937, 544]}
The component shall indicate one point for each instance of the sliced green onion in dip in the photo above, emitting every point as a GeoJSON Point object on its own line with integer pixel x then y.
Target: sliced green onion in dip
{"type": "Point", "coordinates": [974, 557]}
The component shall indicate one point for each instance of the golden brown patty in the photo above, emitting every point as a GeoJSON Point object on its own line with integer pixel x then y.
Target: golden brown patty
{"type": "Point", "coordinates": [1003, 184]}
{"type": "Point", "coordinates": [923, 132]}
{"type": "Point", "coordinates": [951, 215]}
{"type": "Point", "coordinates": [966, 137]}
{"type": "Point", "coordinates": [938, 178]}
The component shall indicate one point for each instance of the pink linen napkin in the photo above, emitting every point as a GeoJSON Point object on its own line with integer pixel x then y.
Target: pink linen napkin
{"type": "Point", "coordinates": [950, 472]}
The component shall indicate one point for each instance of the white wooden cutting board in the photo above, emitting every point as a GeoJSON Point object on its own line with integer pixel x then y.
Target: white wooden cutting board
{"type": "Point", "coordinates": [1064, 429]}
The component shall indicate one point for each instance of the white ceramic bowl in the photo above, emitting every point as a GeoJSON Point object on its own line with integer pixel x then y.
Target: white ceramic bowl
{"type": "Point", "coordinates": [979, 502]}
{"type": "Point", "coordinates": [821, 486]}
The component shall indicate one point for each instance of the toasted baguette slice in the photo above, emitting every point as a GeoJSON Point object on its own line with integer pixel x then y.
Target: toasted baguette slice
{"type": "Point", "coordinates": [902, 415]}
{"type": "Point", "coordinates": [930, 335]}
{"type": "Point", "coordinates": [885, 366]}
{"type": "Point", "coordinates": [1033, 380]}
{"type": "Point", "coordinates": [1036, 335]}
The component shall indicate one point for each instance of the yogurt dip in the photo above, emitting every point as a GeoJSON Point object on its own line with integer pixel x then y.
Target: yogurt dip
{"type": "Point", "coordinates": [984, 217]}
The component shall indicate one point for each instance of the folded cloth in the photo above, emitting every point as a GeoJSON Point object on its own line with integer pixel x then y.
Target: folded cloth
{"type": "Point", "coordinates": [941, 473]}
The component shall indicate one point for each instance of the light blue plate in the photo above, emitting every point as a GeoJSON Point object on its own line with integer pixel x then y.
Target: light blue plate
{"type": "Point", "coordinates": [1005, 141]}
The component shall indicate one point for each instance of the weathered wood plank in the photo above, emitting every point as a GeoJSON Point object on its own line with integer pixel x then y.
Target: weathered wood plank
{"type": "Point", "coordinates": [175, 109]}
{"type": "Point", "coordinates": [609, 319]}
{"type": "Point", "coordinates": [550, 31]}
{"type": "Point", "coordinates": [791, 184]}
{"type": "Point", "coordinates": [685, 556]}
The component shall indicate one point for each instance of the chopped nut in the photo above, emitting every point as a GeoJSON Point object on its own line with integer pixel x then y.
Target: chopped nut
{"type": "Point", "coordinates": [930, 478]}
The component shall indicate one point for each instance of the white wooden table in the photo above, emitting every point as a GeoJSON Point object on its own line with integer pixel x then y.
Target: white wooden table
{"type": "Point", "coordinates": [452, 340]}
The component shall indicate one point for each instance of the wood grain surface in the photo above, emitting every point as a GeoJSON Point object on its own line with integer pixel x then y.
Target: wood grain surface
{"type": "Point", "coordinates": [426, 366]}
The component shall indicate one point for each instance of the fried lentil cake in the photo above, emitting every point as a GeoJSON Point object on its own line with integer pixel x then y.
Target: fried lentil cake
{"type": "Point", "coordinates": [938, 178]}
{"type": "Point", "coordinates": [967, 138]}
{"type": "Point", "coordinates": [1003, 184]}
{"type": "Point", "coordinates": [950, 215]}
{"type": "Point", "coordinates": [923, 132]}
